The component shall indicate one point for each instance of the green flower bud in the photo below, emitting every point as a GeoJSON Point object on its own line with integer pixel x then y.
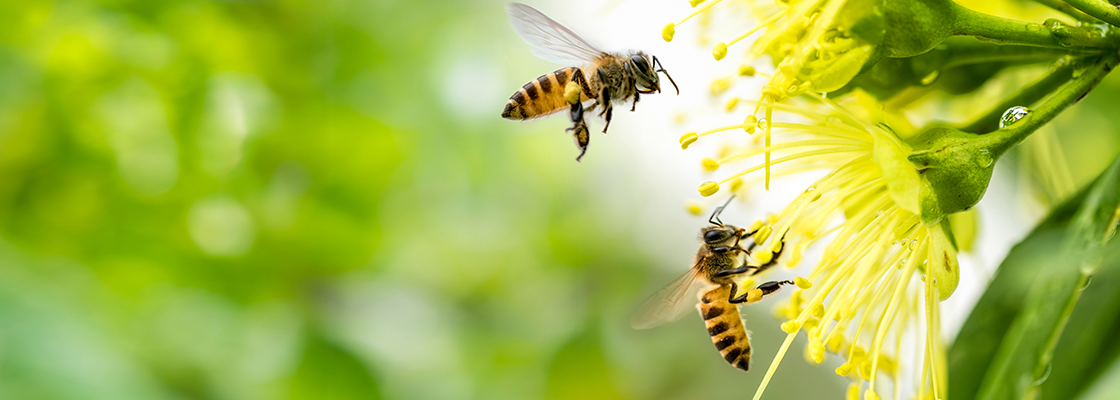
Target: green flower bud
{"type": "Point", "coordinates": [916, 26]}
{"type": "Point", "coordinates": [955, 168]}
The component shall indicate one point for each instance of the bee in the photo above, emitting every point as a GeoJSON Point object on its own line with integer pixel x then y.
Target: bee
{"type": "Point", "coordinates": [601, 78]}
{"type": "Point", "coordinates": [719, 261]}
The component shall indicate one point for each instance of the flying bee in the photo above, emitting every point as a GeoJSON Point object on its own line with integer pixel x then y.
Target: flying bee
{"type": "Point", "coordinates": [719, 261]}
{"type": "Point", "coordinates": [601, 77]}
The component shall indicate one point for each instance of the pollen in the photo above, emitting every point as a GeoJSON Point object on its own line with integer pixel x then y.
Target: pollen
{"type": "Point", "coordinates": [687, 139]}
{"type": "Point", "coordinates": [708, 188]}
{"type": "Point", "coordinates": [746, 70]}
{"type": "Point", "coordinates": [750, 123]}
{"type": "Point", "coordinates": [762, 234]}
{"type": "Point", "coordinates": [572, 92]}
{"type": "Point", "coordinates": [721, 85]}
{"type": "Point", "coordinates": [763, 256]}
{"type": "Point", "coordinates": [694, 207]}
{"type": "Point", "coordinates": [668, 31]}
{"type": "Point", "coordinates": [802, 283]}
{"type": "Point", "coordinates": [736, 184]}
{"type": "Point", "coordinates": [719, 51]}
{"type": "Point", "coordinates": [791, 326]}
{"type": "Point", "coordinates": [709, 164]}
{"type": "Point", "coordinates": [776, 246]}
{"type": "Point", "coordinates": [731, 103]}
{"type": "Point", "coordinates": [835, 342]}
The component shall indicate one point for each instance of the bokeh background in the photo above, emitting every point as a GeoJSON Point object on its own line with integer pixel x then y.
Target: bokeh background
{"type": "Point", "coordinates": [317, 200]}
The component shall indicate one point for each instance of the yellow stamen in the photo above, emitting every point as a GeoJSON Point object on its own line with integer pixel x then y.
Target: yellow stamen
{"type": "Point", "coordinates": [708, 188]}
{"type": "Point", "coordinates": [709, 164]}
{"type": "Point", "coordinates": [787, 159]}
{"type": "Point", "coordinates": [668, 31]}
{"type": "Point", "coordinates": [774, 365]}
{"type": "Point", "coordinates": [694, 207]}
{"type": "Point", "coordinates": [721, 49]}
{"type": "Point", "coordinates": [687, 139]}
{"type": "Point", "coordinates": [699, 10]}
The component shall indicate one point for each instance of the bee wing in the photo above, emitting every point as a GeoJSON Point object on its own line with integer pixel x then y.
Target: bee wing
{"type": "Point", "coordinates": [670, 303]}
{"type": "Point", "coordinates": [550, 40]}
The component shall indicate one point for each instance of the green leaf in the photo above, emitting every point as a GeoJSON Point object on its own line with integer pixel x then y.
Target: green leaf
{"type": "Point", "coordinates": [331, 372]}
{"type": "Point", "coordinates": [1089, 347]}
{"type": "Point", "coordinates": [1006, 347]}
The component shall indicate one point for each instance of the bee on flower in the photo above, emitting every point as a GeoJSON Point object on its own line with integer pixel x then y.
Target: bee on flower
{"type": "Point", "coordinates": [885, 191]}
{"type": "Point", "coordinates": [882, 271]}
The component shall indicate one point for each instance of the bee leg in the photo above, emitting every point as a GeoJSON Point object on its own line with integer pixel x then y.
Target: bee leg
{"type": "Point", "coordinates": [733, 271]}
{"type": "Point", "coordinates": [756, 294]}
{"type": "Point", "coordinates": [632, 106]}
{"type": "Point", "coordinates": [607, 108]}
{"type": "Point", "coordinates": [774, 258]}
{"type": "Point", "coordinates": [579, 129]}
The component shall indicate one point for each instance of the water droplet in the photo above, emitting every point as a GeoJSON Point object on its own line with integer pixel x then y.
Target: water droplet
{"type": "Point", "coordinates": [810, 189]}
{"type": "Point", "coordinates": [1034, 27]}
{"type": "Point", "coordinates": [903, 262]}
{"type": "Point", "coordinates": [914, 244]}
{"type": "Point", "coordinates": [763, 123]}
{"type": "Point", "coordinates": [1088, 280]}
{"type": "Point", "coordinates": [984, 158]}
{"type": "Point", "coordinates": [1045, 375]}
{"type": "Point", "coordinates": [928, 79]}
{"type": "Point", "coordinates": [1013, 115]}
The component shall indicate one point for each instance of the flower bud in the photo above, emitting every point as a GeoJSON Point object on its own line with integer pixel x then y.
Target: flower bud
{"type": "Point", "coordinates": [955, 168]}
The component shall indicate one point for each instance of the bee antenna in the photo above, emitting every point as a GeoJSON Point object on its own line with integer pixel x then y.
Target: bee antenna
{"type": "Point", "coordinates": [714, 219]}
{"type": "Point", "coordinates": [662, 70]}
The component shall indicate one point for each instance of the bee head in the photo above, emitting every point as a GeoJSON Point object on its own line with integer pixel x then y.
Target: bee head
{"type": "Point", "coordinates": [720, 235]}
{"type": "Point", "coordinates": [645, 75]}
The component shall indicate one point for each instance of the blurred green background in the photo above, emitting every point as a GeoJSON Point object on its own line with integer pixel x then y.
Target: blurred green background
{"type": "Point", "coordinates": [297, 199]}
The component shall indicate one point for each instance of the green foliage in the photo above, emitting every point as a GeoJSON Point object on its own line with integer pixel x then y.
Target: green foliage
{"type": "Point", "coordinates": [1008, 347]}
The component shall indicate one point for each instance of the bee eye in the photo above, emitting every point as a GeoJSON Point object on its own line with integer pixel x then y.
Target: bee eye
{"type": "Point", "coordinates": [714, 236]}
{"type": "Point", "coordinates": [640, 63]}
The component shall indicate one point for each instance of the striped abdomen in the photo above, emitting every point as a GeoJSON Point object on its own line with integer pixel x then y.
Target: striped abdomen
{"type": "Point", "coordinates": [726, 327]}
{"type": "Point", "coordinates": [540, 97]}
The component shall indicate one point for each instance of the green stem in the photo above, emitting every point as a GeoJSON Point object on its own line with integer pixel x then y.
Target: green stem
{"type": "Point", "coordinates": [1003, 139]}
{"type": "Point", "coordinates": [988, 52]}
{"type": "Point", "coordinates": [1008, 31]}
{"type": "Point", "coordinates": [1101, 9]}
{"type": "Point", "coordinates": [1066, 9]}
{"type": "Point", "coordinates": [1024, 97]}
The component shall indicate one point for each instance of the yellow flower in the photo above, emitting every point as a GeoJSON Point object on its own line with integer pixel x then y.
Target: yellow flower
{"type": "Point", "coordinates": [882, 272]}
{"type": "Point", "coordinates": [811, 43]}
